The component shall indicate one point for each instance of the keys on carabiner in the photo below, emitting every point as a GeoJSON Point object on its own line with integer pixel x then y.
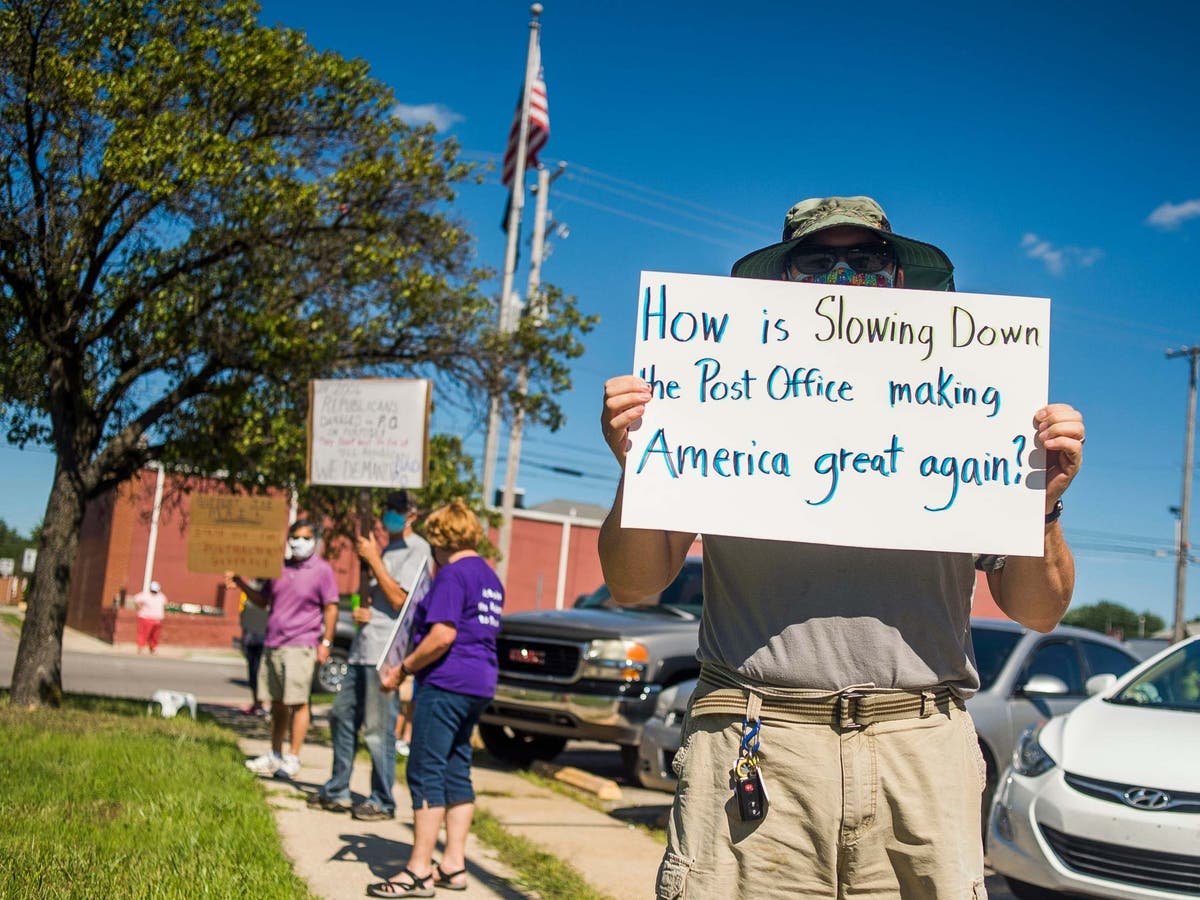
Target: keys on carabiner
{"type": "Point", "coordinates": [748, 789]}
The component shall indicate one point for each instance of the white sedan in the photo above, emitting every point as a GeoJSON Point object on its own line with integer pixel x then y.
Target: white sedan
{"type": "Point", "coordinates": [1105, 801]}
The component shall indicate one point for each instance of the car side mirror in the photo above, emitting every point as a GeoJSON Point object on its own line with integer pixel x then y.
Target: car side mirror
{"type": "Point", "coordinates": [1098, 684]}
{"type": "Point", "coordinates": [1045, 684]}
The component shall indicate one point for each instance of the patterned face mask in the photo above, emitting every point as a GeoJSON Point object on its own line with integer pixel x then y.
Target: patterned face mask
{"type": "Point", "coordinates": [843, 274]}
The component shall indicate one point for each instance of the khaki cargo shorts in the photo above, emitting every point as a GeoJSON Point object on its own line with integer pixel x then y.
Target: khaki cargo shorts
{"type": "Point", "coordinates": [286, 674]}
{"type": "Point", "coordinates": [891, 810]}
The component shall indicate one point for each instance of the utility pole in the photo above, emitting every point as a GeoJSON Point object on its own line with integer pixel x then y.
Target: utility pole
{"type": "Point", "coordinates": [536, 308]}
{"type": "Point", "coordinates": [516, 205]}
{"type": "Point", "coordinates": [1183, 548]}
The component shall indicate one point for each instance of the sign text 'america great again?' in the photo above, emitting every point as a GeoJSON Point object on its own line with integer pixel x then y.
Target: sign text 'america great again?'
{"type": "Point", "coordinates": [843, 415]}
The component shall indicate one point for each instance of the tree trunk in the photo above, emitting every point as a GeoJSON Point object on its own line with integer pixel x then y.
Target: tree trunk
{"type": "Point", "coordinates": [37, 672]}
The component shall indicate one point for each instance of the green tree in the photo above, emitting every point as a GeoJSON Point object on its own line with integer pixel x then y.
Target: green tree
{"type": "Point", "coordinates": [198, 215]}
{"type": "Point", "coordinates": [1107, 616]}
{"type": "Point", "coordinates": [13, 543]}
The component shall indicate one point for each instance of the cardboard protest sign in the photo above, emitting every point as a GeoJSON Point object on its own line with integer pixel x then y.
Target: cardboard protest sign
{"type": "Point", "coordinates": [240, 534]}
{"type": "Point", "coordinates": [369, 432]}
{"type": "Point", "coordinates": [839, 415]}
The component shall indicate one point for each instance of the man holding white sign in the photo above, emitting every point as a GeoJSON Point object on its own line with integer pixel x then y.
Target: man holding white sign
{"type": "Point", "coordinates": [834, 671]}
{"type": "Point", "coordinates": [362, 703]}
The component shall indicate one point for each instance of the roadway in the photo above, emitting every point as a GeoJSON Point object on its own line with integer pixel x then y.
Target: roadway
{"type": "Point", "coordinates": [94, 667]}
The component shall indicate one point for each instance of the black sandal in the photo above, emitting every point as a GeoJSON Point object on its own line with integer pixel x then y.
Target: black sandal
{"type": "Point", "coordinates": [444, 879]}
{"type": "Point", "coordinates": [416, 887]}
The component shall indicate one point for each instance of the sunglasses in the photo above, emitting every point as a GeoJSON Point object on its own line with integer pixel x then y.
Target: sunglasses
{"type": "Point", "coordinates": [808, 259]}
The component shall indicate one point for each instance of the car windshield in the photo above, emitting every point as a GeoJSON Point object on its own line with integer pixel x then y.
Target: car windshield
{"type": "Point", "coordinates": [993, 647]}
{"type": "Point", "coordinates": [684, 594]}
{"type": "Point", "coordinates": [1171, 683]}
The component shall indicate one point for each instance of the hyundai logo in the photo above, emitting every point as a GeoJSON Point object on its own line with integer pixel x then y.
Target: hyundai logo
{"type": "Point", "coordinates": [1147, 798]}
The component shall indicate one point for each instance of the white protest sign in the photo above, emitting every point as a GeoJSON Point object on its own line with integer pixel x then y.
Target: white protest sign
{"type": "Point", "coordinates": [856, 416]}
{"type": "Point", "coordinates": [369, 432]}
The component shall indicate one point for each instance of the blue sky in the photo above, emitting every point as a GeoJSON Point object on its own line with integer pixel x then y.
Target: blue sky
{"type": "Point", "coordinates": [1048, 148]}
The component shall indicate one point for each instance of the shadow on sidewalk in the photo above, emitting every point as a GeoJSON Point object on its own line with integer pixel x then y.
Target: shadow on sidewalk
{"type": "Point", "coordinates": [245, 726]}
{"type": "Point", "coordinates": [386, 859]}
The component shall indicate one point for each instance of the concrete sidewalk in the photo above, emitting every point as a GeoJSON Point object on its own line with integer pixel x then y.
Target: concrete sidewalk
{"type": "Point", "coordinates": [338, 856]}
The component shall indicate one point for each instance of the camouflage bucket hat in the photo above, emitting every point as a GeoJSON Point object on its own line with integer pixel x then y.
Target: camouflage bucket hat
{"type": "Point", "coordinates": [925, 266]}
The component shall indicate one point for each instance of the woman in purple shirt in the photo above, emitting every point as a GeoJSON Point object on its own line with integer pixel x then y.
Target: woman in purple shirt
{"type": "Point", "coordinates": [454, 660]}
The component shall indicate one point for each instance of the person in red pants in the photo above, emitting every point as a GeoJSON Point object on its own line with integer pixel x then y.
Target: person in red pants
{"type": "Point", "coordinates": [151, 610]}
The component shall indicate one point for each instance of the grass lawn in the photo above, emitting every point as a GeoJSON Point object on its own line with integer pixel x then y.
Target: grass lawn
{"type": "Point", "coordinates": [100, 800]}
{"type": "Point", "coordinates": [12, 622]}
{"type": "Point", "coordinates": [552, 878]}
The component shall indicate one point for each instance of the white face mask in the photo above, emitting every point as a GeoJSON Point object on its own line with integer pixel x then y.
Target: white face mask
{"type": "Point", "coordinates": [302, 548]}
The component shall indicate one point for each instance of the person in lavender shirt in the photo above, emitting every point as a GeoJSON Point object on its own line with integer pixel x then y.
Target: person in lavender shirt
{"type": "Point", "coordinates": [302, 605]}
{"type": "Point", "coordinates": [454, 661]}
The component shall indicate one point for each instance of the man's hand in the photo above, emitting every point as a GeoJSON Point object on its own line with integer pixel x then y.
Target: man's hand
{"type": "Point", "coordinates": [1060, 433]}
{"type": "Point", "coordinates": [322, 653]}
{"type": "Point", "coordinates": [230, 579]}
{"type": "Point", "coordinates": [362, 615]}
{"type": "Point", "coordinates": [367, 548]}
{"type": "Point", "coordinates": [625, 399]}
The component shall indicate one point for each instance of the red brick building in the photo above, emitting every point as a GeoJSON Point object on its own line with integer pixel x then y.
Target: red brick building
{"type": "Point", "coordinates": [138, 534]}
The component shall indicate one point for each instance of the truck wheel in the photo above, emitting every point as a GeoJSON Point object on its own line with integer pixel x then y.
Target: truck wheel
{"type": "Point", "coordinates": [519, 748]}
{"type": "Point", "coordinates": [629, 762]}
{"type": "Point", "coordinates": [330, 675]}
{"type": "Point", "coordinates": [989, 788]}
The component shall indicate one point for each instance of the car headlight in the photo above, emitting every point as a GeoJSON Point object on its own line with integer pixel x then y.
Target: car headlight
{"type": "Point", "coordinates": [1029, 756]}
{"type": "Point", "coordinates": [615, 660]}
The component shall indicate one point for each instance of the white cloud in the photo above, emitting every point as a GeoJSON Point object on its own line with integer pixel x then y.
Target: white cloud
{"type": "Point", "coordinates": [1170, 216]}
{"type": "Point", "coordinates": [1057, 259]}
{"type": "Point", "coordinates": [441, 117]}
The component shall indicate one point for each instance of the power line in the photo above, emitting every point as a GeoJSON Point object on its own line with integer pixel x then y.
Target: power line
{"type": "Point", "coordinates": [640, 193]}
{"type": "Point", "coordinates": [757, 226]}
{"type": "Point", "coordinates": [755, 234]}
{"type": "Point", "coordinates": [648, 221]}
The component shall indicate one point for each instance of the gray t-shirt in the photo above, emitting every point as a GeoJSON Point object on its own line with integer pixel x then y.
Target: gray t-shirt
{"type": "Point", "coordinates": [403, 560]}
{"type": "Point", "coordinates": [825, 617]}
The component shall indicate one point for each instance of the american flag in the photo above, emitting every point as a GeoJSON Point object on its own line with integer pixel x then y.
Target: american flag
{"type": "Point", "coordinates": [539, 130]}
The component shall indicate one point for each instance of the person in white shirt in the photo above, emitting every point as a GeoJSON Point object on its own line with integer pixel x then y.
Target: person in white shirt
{"type": "Point", "coordinates": [151, 610]}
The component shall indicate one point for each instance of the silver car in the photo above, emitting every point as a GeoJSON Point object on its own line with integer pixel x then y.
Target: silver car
{"type": "Point", "coordinates": [1025, 677]}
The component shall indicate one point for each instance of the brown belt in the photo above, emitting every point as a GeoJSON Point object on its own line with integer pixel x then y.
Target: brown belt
{"type": "Point", "coordinates": [848, 709]}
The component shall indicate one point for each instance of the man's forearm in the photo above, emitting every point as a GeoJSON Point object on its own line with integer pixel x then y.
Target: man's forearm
{"type": "Point", "coordinates": [638, 562]}
{"type": "Point", "coordinates": [1036, 591]}
{"type": "Point", "coordinates": [331, 616]}
{"type": "Point", "coordinates": [252, 595]}
{"type": "Point", "coordinates": [391, 589]}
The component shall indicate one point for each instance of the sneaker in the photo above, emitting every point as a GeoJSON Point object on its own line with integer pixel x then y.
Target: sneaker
{"type": "Point", "coordinates": [267, 764]}
{"type": "Point", "coordinates": [320, 801]}
{"type": "Point", "coordinates": [369, 812]}
{"type": "Point", "coordinates": [401, 747]}
{"type": "Point", "coordinates": [289, 766]}
{"type": "Point", "coordinates": [252, 710]}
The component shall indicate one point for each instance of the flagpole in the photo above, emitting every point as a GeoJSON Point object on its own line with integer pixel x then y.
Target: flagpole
{"type": "Point", "coordinates": [537, 307]}
{"type": "Point", "coordinates": [516, 204]}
